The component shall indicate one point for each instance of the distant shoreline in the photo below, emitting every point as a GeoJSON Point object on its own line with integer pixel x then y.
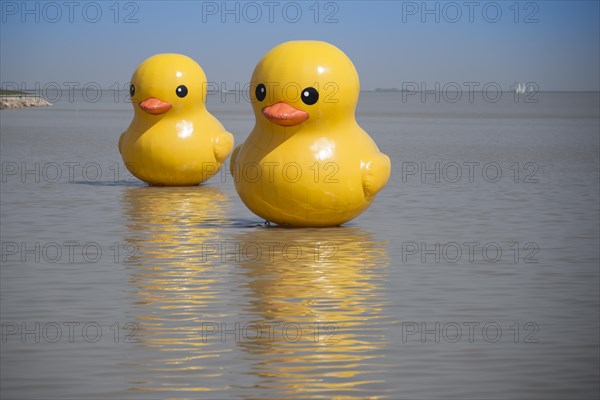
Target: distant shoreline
{"type": "Point", "coordinates": [11, 99]}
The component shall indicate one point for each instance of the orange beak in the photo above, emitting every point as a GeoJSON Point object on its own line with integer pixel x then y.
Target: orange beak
{"type": "Point", "coordinates": [155, 106]}
{"type": "Point", "coordinates": [285, 115]}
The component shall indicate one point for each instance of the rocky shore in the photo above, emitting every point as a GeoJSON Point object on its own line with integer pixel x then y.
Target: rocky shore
{"type": "Point", "coordinates": [22, 102]}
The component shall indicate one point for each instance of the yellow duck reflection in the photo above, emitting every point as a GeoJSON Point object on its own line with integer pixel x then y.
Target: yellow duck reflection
{"type": "Point", "coordinates": [193, 276]}
{"type": "Point", "coordinates": [169, 225]}
{"type": "Point", "coordinates": [319, 310]}
{"type": "Point", "coordinates": [172, 287]}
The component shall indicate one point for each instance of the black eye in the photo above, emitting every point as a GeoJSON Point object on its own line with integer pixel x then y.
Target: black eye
{"type": "Point", "coordinates": [261, 92]}
{"type": "Point", "coordinates": [131, 90]}
{"type": "Point", "coordinates": [181, 91]}
{"type": "Point", "coordinates": [310, 96]}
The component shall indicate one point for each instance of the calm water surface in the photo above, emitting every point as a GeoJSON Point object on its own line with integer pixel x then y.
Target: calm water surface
{"type": "Point", "coordinates": [475, 273]}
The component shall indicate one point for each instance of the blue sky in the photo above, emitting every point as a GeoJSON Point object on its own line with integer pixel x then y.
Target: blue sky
{"type": "Point", "coordinates": [554, 44]}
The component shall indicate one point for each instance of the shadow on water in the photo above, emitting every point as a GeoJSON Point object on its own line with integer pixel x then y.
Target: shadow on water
{"type": "Point", "coordinates": [126, 183]}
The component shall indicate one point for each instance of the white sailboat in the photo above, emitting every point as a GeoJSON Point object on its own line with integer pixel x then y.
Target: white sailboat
{"type": "Point", "coordinates": [525, 88]}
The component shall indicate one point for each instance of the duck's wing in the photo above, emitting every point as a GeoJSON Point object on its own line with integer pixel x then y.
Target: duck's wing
{"type": "Point", "coordinates": [121, 141]}
{"type": "Point", "coordinates": [222, 145]}
{"type": "Point", "coordinates": [375, 174]}
{"type": "Point", "coordinates": [233, 159]}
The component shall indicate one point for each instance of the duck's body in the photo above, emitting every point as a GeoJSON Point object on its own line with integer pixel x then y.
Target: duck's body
{"type": "Point", "coordinates": [173, 140]}
{"type": "Point", "coordinates": [307, 163]}
{"type": "Point", "coordinates": [309, 180]}
{"type": "Point", "coordinates": [158, 154]}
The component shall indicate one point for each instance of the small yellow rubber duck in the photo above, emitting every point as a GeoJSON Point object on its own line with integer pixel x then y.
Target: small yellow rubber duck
{"type": "Point", "coordinates": [307, 162]}
{"type": "Point", "coordinates": [173, 140]}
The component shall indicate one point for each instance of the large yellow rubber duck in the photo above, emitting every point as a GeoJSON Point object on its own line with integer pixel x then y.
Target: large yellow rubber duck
{"type": "Point", "coordinates": [173, 140]}
{"type": "Point", "coordinates": [307, 162]}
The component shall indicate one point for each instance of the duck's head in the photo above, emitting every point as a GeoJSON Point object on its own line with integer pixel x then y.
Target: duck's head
{"type": "Point", "coordinates": [167, 83]}
{"type": "Point", "coordinates": [304, 83]}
